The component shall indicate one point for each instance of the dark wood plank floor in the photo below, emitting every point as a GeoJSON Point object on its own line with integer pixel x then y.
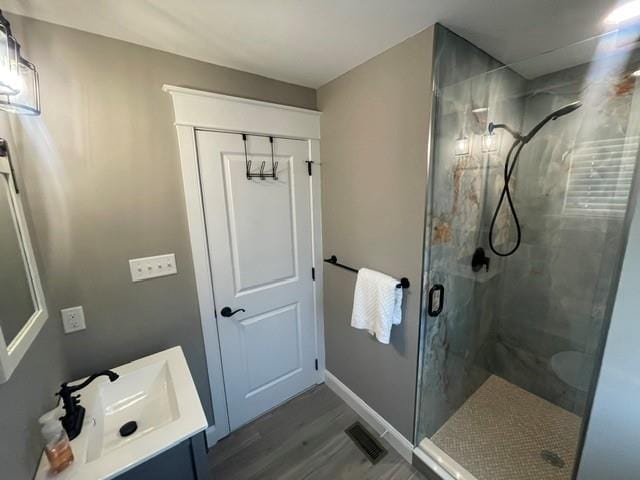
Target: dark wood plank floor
{"type": "Point", "coordinates": [303, 439]}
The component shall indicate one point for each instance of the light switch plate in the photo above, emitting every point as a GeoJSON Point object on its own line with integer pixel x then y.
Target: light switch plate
{"type": "Point", "coordinates": [152, 267]}
{"type": "Point", "coordinates": [73, 319]}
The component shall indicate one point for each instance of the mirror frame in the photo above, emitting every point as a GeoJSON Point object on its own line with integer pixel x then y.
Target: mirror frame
{"type": "Point", "coordinates": [11, 354]}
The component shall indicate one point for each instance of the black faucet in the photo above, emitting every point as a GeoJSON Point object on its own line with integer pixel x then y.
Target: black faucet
{"type": "Point", "coordinates": [479, 260]}
{"type": "Point", "coordinates": [74, 412]}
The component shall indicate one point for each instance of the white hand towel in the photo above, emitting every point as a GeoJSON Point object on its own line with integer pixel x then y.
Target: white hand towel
{"type": "Point", "coordinates": [377, 304]}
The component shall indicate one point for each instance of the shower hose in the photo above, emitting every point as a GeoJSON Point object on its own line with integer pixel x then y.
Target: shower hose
{"type": "Point", "coordinates": [509, 166]}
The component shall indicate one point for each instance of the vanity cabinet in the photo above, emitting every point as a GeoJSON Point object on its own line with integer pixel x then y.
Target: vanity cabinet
{"type": "Point", "coordinates": [185, 461]}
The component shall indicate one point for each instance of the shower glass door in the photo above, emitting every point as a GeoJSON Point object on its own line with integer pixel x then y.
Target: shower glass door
{"type": "Point", "coordinates": [509, 363]}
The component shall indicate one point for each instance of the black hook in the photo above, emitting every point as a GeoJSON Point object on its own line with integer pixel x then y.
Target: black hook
{"type": "Point", "coordinates": [261, 174]}
{"type": "Point", "coordinates": [274, 164]}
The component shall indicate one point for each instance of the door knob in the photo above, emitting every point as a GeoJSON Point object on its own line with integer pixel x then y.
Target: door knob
{"type": "Point", "coordinates": [227, 312]}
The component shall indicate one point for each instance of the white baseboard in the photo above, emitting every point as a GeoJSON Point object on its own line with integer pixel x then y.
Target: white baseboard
{"type": "Point", "coordinates": [373, 418]}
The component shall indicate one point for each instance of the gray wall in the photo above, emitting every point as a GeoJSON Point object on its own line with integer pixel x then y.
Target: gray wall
{"type": "Point", "coordinates": [102, 181]}
{"type": "Point", "coordinates": [374, 154]}
{"type": "Point", "coordinates": [29, 391]}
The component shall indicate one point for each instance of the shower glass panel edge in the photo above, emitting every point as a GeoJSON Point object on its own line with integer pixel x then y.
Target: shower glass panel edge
{"type": "Point", "coordinates": [425, 240]}
{"type": "Point", "coordinates": [570, 329]}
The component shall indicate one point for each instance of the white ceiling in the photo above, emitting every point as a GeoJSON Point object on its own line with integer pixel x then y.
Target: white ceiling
{"type": "Point", "coordinates": [310, 42]}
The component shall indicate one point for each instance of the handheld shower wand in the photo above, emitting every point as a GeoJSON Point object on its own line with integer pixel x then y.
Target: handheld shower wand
{"type": "Point", "coordinates": [509, 165]}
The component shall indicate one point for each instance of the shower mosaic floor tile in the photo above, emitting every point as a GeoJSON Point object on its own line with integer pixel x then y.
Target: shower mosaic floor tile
{"type": "Point", "coordinates": [501, 432]}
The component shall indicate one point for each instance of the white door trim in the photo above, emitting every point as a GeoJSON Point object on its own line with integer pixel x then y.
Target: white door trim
{"type": "Point", "coordinates": [225, 113]}
{"type": "Point", "coordinates": [195, 109]}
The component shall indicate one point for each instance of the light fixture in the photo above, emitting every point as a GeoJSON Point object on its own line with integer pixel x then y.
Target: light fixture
{"type": "Point", "coordinates": [9, 78]}
{"type": "Point", "coordinates": [490, 142]}
{"type": "Point", "coordinates": [19, 82]}
{"type": "Point", "coordinates": [623, 13]}
{"type": "Point", "coordinates": [480, 110]}
{"type": "Point", "coordinates": [462, 146]}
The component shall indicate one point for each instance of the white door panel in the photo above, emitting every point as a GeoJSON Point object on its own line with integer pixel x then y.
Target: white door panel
{"type": "Point", "coordinates": [278, 327]}
{"type": "Point", "coordinates": [259, 234]}
{"type": "Point", "coordinates": [264, 208]}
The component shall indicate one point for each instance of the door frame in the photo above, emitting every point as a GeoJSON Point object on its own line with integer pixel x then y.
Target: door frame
{"type": "Point", "coordinates": [200, 110]}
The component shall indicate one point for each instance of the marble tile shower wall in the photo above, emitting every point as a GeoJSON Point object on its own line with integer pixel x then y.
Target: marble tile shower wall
{"type": "Point", "coordinates": [555, 291]}
{"type": "Point", "coordinates": [549, 297]}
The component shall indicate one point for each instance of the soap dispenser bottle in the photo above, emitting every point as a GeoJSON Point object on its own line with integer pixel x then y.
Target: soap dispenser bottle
{"type": "Point", "coordinates": [57, 445]}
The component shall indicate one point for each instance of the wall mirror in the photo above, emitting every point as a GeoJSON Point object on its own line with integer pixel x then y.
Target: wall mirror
{"type": "Point", "coordinates": [22, 305]}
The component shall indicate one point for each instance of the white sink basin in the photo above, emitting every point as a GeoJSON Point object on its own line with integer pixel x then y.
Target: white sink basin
{"type": "Point", "coordinates": [157, 392]}
{"type": "Point", "coordinates": [146, 396]}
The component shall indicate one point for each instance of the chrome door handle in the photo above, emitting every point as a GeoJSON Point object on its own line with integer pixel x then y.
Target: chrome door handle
{"type": "Point", "coordinates": [227, 312]}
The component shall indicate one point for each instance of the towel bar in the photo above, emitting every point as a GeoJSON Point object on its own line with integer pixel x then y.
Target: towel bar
{"type": "Point", "coordinates": [333, 260]}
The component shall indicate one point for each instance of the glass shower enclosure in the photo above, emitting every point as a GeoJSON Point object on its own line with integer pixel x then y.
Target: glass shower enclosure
{"type": "Point", "coordinates": [519, 283]}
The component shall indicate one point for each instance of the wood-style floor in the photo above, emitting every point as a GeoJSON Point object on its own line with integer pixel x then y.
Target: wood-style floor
{"type": "Point", "coordinates": [303, 439]}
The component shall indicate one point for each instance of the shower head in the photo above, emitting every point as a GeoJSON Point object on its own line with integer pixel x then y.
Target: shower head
{"type": "Point", "coordinates": [567, 109]}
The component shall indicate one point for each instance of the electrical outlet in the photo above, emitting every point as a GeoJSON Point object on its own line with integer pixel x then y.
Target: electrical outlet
{"type": "Point", "coordinates": [73, 319]}
{"type": "Point", "coordinates": [152, 267]}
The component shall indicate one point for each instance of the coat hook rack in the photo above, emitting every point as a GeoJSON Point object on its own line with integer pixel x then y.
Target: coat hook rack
{"type": "Point", "coordinates": [333, 260]}
{"type": "Point", "coordinates": [262, 175]}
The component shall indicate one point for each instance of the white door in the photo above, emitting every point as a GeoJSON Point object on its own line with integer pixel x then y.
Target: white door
{"type": "Point", "coordinates": [259, 234]}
